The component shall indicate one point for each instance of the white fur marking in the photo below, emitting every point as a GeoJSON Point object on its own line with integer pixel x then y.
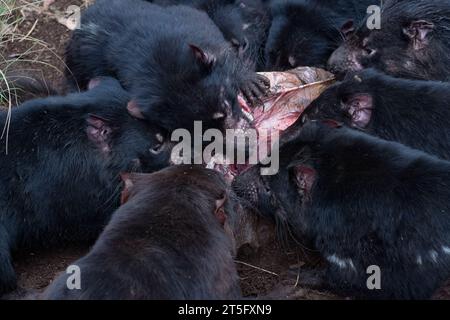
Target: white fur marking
{"type": "Point", "coordinates": [446, 249]}
{"type": "Point", "coordinates": [351, 264]}
{"type": "Point", "coordinates": [341, 263]}
{"type": "Point", "coordinates": [333, 259]}
{"type": "Point", "coordinates": [419, 260]}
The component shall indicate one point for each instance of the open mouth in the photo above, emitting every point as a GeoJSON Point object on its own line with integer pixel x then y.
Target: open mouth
{"type": "Point", "coordinates": [290, 93]}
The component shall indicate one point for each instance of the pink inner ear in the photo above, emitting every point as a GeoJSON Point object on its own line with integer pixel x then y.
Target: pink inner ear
{"type": "Point", "coordinates": [95, 122]}
{"type": "Point", "coordinates": [98, 132]}
{"type": "Point", "coordinates": [360, 109]}
{"type": "Point", "coordinates": [348, 28]}
{"type": "Point", "coordinates": [305, 177]}
{"type": "Point", "coordinates": [134, 110]}
{"type": "Point", "coordinates": [220, 215]}
{"type": "Point", "coordinates": [128, 184]}
{"type": "Point", "coordinates": [204, 58]}
{"type": "Point", "coordinates": [220, 211]}
{"type": "Point", "coordinates": [125, 176]}
{"type": "Point", "coordinates": [332, 123]}
{"type": "Point", "coordinates": [94, 83]}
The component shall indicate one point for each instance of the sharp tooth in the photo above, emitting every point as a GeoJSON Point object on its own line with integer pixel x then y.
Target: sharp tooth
{"type": "Point", "coordinates": [248, 115]}
{"type": "Point", "coordinates": [267, 106]}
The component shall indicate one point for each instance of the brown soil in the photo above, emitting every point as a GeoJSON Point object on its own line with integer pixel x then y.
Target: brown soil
{"type": "Point", "coordinates": [261, 274]}
{"type": "Point", "coordinates": [43, 59]}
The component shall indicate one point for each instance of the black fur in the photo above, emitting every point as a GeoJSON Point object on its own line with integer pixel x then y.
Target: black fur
{"type": "Point", "coordinates": [164, 243]}
{"type": "Point", "coordinates": [398, 48]}
{"type": "Point", "coordinates": [355, 10]}
{"type": "Point", "coordinates": [412, 112]}
{"type": "Point", "coordinates": [60, 161]}
{"type": "Point", "coordinates": [363, 201]}
{"type": "Point", "coordinates": [244, 23]}
{"type": "Point", "coordinates": [174, 61]}
{"type": "Point", "coordinates": [305, 32]}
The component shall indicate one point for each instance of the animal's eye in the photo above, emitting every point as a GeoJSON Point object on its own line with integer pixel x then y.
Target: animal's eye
{"type": "Point", "coordinates": [369, 52]}
{"type": "Point", "coordinates": [157, 148]}
{"type": "Point", "coordinates": [218, 115]}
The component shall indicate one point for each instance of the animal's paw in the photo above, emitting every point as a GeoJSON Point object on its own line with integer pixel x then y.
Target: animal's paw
{"type": "Point", "coordinates": [255, 89]}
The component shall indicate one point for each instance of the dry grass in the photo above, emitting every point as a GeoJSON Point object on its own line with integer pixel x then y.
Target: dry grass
{"type": "Point", "coordinates": [12, 14]}
{"type": "Point", "coordinates": [13, 31]}
{"type": "Point", "coordinates": [8, 26]}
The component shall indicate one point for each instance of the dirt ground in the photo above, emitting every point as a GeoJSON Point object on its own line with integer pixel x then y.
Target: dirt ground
{"type": "Point", "coordinates": [260, 273]}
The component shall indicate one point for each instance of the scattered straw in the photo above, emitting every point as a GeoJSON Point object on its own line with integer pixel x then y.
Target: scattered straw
{"type": "Point", "coordinates": [257, 268]}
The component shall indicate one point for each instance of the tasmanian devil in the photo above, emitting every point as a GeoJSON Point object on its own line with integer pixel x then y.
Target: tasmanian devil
{"type": "Point", "coordinates": [413, 112]}
{"type": "Point", "coordinates": [413, 42]}
{"type": "Point", "coordinates": [60, 160]}
{"type": "Point", "coordinates": [367, 204]}
{"type": "Point", "coordinates": [174, 61]}
{"type": "Point", "coordinates": [306, 32]}
{"type": "Point", "coordinates": [355, 10]}
{"type": "Point", "coordinates": [171, 239]}
{"type": "Point", "coordinates": [244, 24]}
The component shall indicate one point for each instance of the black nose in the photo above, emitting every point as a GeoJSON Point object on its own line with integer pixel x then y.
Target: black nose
{"type": "Point", "coordinates": [332, 68]}
{"type": "Point", "coordinates": [336, 70]}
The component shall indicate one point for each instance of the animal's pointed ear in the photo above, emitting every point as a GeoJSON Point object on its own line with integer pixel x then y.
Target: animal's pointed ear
{"type": "Point", "coordinates": [130, 180]}
{"type": "Point", "coordinates": [204, 58]}
{"type": "Point", "coordinates": [359, 107]}
{"type": "Point", "coordinates": [220, 210]}
{"type": "Point", "coordinates": [304, 179]}
{"type": "Point", "coordinates": [332, 123]}
{"type": "Point", "coordinates": [99, 132]}
{"type": "Point", "coordinates": [127, 186]}
{"type": "Point", "coordinates": [348, 28]}
{"type": "Point", "coordinates": [417, 32]}
{"type": "Point", "coordinates": [134, 110]}
{"type": "Point", "coordinates": [95, 82]}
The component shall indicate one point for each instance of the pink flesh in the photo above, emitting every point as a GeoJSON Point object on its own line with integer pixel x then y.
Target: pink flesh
{"type": "Point", "coordinates": [290, 94]}
{"type": "Point", "coordinates": [272, 115]}
{"type": "Point", "coordinates": [278, 116]}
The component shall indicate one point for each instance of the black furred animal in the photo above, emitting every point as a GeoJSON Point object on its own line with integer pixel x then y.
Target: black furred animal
{"type": "Point", "coordinates": [243, 23]}
{"type": "Point", "coordinates": [364, 202]}
{"type": "Point", "coordinates": [306, 32]}
{"type": "Point", "coordinates": [412, 112]}
{"type": "Point", "coordinates": [173, 60]}
{"type": "Point", "coordinates": [172, 239]}
{"type": "Point", "coordinates": [60, 161]}
{"type": "Point", "coordinates": [355, 10]}
{"type": "Point", "coordinates": [413, 42]}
